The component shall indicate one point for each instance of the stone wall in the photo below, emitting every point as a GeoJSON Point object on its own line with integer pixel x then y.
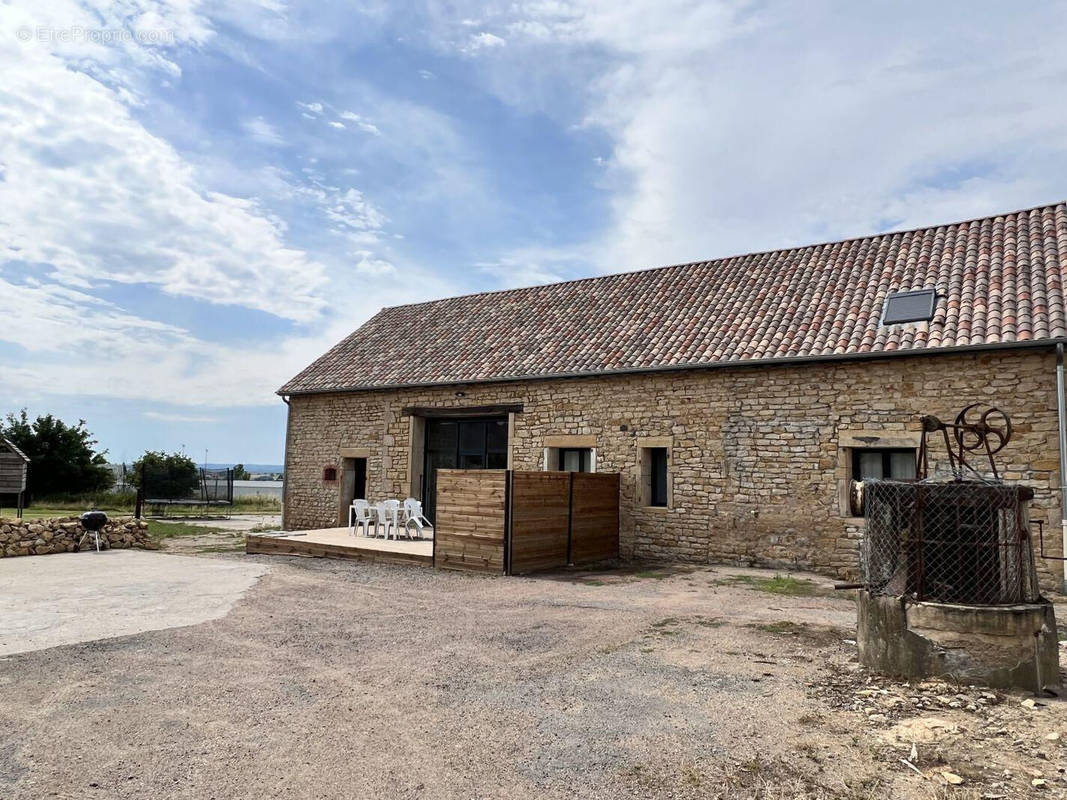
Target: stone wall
{"type": "Point", "coordinates": [21, 537]}
{"type": "Point", "coordinates": [758, 456]}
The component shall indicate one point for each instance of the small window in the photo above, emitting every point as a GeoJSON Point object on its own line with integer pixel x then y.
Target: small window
{"type": "Point", "coordinates": [575, 459]}
{"type": "Point", "coordinates": [882, 464]}
{"type": "Point", "coordinates": [329, 474]}
{"type": "Point", "coordinates": [917, 306]}
{"type": "Point", "coordinates": [657, 475]}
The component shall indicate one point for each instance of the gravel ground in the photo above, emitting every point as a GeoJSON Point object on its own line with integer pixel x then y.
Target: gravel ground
{"type": "Point", "coordinates": [338, 680]}
{"type": "Point", "coordinates": [75, 597]}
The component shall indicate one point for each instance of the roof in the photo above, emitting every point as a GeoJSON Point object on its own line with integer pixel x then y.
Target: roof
{"type": "Point", "coordinates": [10, 445]}
{"type": "Point", "coordinates": [999, 281]}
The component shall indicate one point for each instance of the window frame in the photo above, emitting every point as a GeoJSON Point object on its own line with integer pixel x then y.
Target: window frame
{"type": "Point", "coordinates": [585, 458]}
{"type": "Point", "coordinates": [658, 457]}
{"type": "Point", "coordinates": [887, 454]}
{"type": "Point", "coordinates": [901, 318]}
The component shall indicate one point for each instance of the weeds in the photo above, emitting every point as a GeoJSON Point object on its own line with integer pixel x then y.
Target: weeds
{"type": "Point", "coordinates": [779, 584]}
{"type": "Point", "coordinates": [813, 634]}
{"type": "Point", "coordinates": [666, 622]}
{"type": "Point", "coordinates": [782, 628]}
{"type": "Point", "coordinates": [709, 622]}
{"type": "Point", "coordinates": [233, 548]}
{"type": "Point", "coordinates": [262, 528]}
{"type": "Point", "coordinates": [167, 530]}
{"type": "Point", "coordinates": [653, 574]}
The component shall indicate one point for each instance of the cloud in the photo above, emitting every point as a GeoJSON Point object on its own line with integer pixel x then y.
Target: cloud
{"type": "Point", "coordinates": [367, 264]}
{"type": "Point", "coordinates": [741, 126]}
{"type": "Point", "coordinates": [536, 265]}
{"type": "Point", "coordinates": [483, 41]}
{"type": "Point", "coordinates": [79, 346]}
{"type": "Point", "coordinates": [335, 124]}
{"type": "Point", "coordinates": [361, 123]}
{"type": "Point", "coordinates": [90, 195]}
{"type": "Point", "coordinates": [262, 131]}
{"type": "Point", "coordinates": [93, 200]}
{"type": "Point", "coordinates": [196, 419]}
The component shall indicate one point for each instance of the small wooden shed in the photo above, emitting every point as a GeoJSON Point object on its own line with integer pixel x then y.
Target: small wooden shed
{"type": "Point", "coordinates": [13, 468]}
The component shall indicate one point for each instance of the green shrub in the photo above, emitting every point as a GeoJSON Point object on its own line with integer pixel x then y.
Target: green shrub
{"type": "Point", "coordinates": [166, 476]}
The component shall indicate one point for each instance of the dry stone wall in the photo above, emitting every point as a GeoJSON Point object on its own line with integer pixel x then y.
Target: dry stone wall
{"type": "Point", "coordinates": [758, 457]}
{"type": "Point", "coordinates": [20, 537]}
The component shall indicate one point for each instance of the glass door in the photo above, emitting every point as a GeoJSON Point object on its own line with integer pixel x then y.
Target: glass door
{"type": "Point", "coordinates": [461, 444]}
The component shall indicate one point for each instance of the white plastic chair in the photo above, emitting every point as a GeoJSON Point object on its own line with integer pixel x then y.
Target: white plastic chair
{"type": "Point", "coordinates": [389, 517]}
{"type": "Point", "coordinates": [414, 520]}
{"type": "Point", "coordinates": [359, 515]}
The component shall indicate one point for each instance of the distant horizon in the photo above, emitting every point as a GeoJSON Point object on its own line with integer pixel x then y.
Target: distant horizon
{"type": "Point", "coordinates": [250, 467]}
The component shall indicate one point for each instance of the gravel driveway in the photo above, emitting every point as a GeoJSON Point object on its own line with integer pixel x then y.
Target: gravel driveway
{"type": "Point", "coordinates": [339, 680]}
{"type": "Point", "coordinates": [76, 597]}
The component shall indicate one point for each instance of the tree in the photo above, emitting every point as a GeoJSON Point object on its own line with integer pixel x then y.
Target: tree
{"type": "Point", "coordinates": [166, 476]}
{"type": "Point", "coordinates": [63, 458]}
{"type": "Point", "coordinates": [240, 473]}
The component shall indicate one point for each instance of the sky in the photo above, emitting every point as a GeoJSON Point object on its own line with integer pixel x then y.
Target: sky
{"type": "Point", "coordinates": [199, 198]}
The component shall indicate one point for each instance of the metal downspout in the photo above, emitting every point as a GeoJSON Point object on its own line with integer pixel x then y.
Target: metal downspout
{"type": "Point", "coordinates": [1061, 417]}
{"type": "Point", "coordinates": [285, 465]}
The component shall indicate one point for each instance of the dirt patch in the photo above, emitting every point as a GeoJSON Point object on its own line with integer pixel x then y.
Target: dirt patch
{"type": "Point", "coordinates": [336, 679]}
{"type": "Point", "coordinates": [209, 541]}
{"type": "Point", "coordinates": [778, 584]}
{"type": "Point", "coordinates": [998, 744]}
{"type": "Point", "coordinates": [817, 635]}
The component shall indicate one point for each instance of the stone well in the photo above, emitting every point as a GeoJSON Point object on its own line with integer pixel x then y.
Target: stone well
{"type": "Point", "coordinates": [1005, 646]}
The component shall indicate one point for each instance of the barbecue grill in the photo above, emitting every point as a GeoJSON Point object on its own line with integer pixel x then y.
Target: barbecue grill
{"type": "Point", "coordinates": [93, 522]}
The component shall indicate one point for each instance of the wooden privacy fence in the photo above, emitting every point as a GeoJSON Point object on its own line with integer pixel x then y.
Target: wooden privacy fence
{"type": "Point", "coordinates": [512, 522]}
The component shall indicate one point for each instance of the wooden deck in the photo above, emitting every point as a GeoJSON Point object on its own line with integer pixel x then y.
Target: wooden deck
{"type": "Point", "coordinates": [339, 543]}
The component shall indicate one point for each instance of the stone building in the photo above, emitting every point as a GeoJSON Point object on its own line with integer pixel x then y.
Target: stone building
{"type": "Point", "coordinates": [736, 397]}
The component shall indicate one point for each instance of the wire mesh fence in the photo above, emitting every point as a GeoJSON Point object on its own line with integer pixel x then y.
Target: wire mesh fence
{"type": "Point", "coordinates": [162, 485]}
{"type": "Point", "coordinates": [954, 542]}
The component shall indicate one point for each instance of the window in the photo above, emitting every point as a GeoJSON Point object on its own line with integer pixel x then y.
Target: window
{"type": "Point", "coordinates": [464, 444]}
{"type": "Point", "coordinates": [880, 463]}
{"type": "Point", "coordinates": [570, 452]}
{"type": "Point", "coordinates": [657, 462]}
{"type": "Point", "coordinates": [575, 459]}
{"type": "Point", "coordinates": [654, 477]}
{"type": "Point", "coordinates": [917, 306]}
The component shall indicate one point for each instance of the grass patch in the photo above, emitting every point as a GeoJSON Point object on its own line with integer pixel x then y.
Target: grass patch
{"type": "Point", "coordinates": [783, 628]}
{"type": "Point", "coordinates": [122, 503]}
{"type": "Point", "coordinates": [263, 528]}
{"type": "Point", "coordinates": [167, 530]}
{"type": "Point", "coordinates": [779, 584]}
{"type": "Point", "coordinates": [663, 627]}
{"type": "Point", "coordinates": [709, 622]}
{"type": "Point", "coordinates": [813, 634]}
{"type": "Point", "coordinates": [233, 548]}
{"type": "Point", "coordinates": [651, 573]}
{"type": "Point", "coordinates": [666, 622]}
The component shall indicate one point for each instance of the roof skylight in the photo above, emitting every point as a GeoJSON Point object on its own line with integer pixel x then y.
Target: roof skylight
{"type": "Point", "coordinates": [914, 306]}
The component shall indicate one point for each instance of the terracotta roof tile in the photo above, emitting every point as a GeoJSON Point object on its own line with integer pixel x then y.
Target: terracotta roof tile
{"type": "Point", "coordinates": [998, 280]}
